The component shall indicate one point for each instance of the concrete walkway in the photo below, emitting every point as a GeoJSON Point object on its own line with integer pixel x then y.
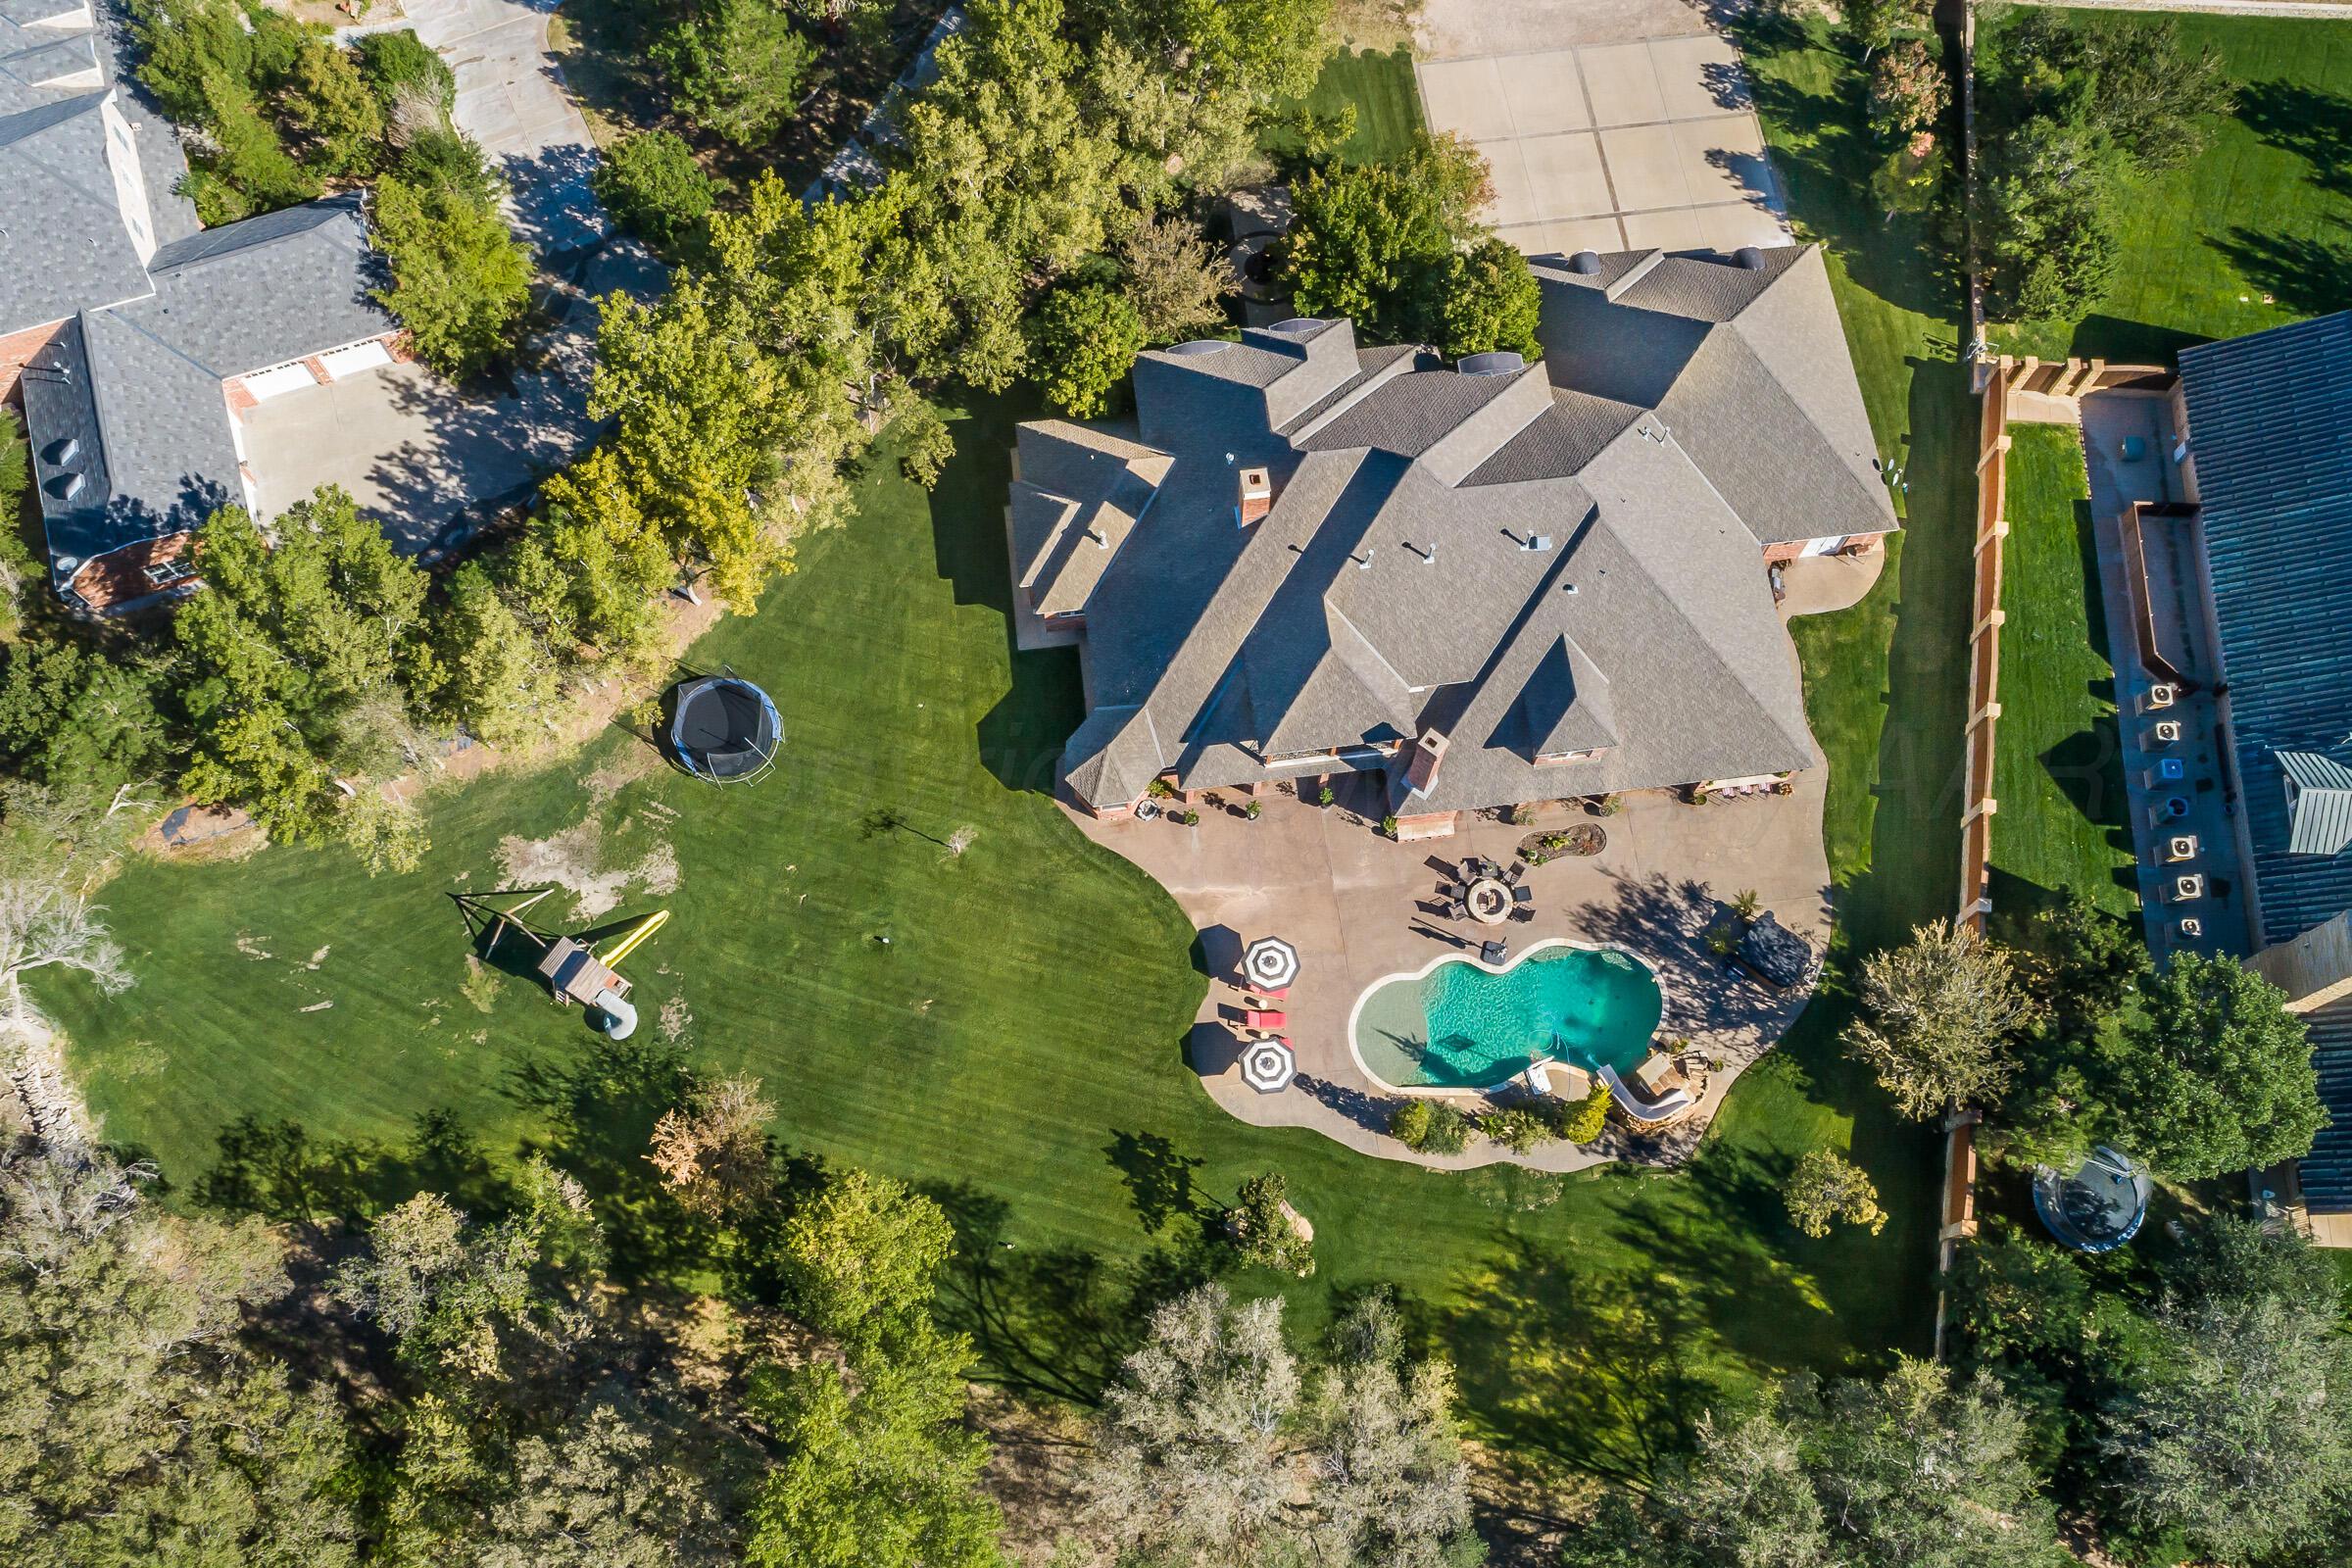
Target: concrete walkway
{"type": "Point", "coordinates": [1360, 907]}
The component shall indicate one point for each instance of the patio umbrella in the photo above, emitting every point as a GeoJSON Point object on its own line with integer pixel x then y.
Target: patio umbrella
{"type": "Point", "coordinates": [1268, 1066]}
{"type": "Point", "coordinates": [1270, 964]}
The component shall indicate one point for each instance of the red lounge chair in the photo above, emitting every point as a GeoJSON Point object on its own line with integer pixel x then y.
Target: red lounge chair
{"type": "Point", "coordinates": [1256, 1020]}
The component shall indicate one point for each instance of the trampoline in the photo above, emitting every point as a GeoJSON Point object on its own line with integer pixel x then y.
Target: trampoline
{"type": "Point", "coordinates": [2099, 1208]}
{"type": "Point", "coordinates": [724, 729]}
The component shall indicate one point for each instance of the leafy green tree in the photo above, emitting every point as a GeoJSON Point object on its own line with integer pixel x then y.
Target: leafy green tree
{"type": "Point", "coordinates": [926, 444]}
{"type": "Point", "coordinates": [397, 64]}
{"type": "Point", "coordinates": [332, 106]}
{"type": "Point", "coordinates": [654, 186]}
{"type": "Point", "coordinates": [863, 1257]}
{"type": "Point", "coordinates": [1936, 1017]}
{"type": "Point", "coordinates": [78, 720]}
{"type": "Point", "coordinates": [2211, 1074]}
{"type": "Point", "coordinates": [1909, 178]}
{"type": "Point", "coordinates": [1262, 1225]}
{"type": "Point", "coordinates": [460, 281]}
{"type": "Point", "coordinates": [450, 164]}
{"type": "Point", "coordinates": [1083, 344]}
{"type": "Point", "coordinates": [1825, 1188]}
{"type": "Point", "coordinates": [737, 67]}
{"type": "Point", "coordinates": [1487, 300]}
{"type": "Point", "coordinates": [1175, 278]}
{"type": "Point", "coordinates": [1908, 90]}
{"type": "Point", "coordinates": [496, 677]}
{"type": "Point", "coordinates": [590, 562]}
{"type": "Point", "coordinates": [1876, 23]}
{"type": "Point", "coordinates": [879, 1471]}
{"type": "Point", "coordinates": [135, 1426]}
{"type": "Point", "coordinates": [612, 1488]}
{"type": "Point", "coordinates": [697, 408]}
{"type": "Point", "coordinates": [2239, 1434]}
{"type": "Point", "coordinates": [1744, 1500]}
{"type": "Point", "coordinates": [1429, 1127]}
{"type": "Point", "coordinates": [1376, 242]}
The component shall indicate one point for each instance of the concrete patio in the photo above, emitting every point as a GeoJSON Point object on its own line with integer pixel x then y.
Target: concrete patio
{"type": "Point", "coordinates": [1360, 907]}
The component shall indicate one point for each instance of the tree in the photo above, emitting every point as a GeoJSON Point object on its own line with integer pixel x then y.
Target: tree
{"type": "Point", "coordinates": [926, 444]}
{"type": "Point", "coordinates": [863, 1257]}
{"type": "Point", "coordinates": [1487, 300]}
{"type": "Point", "coordinates": [1376, 242]}
{"type": "Point", "coordinates": [2238, 1436]}
{"type": "Point", "coordinates": [653, 186]}
{"type": "Point", "coordinates": [1176, 280]}
{"type": "Point", "coordinates": [1084, 342]}
{"type": "Point", "coordinates": [1936, 1013]}
{"type": "Point", "coordinates": [714, 1152]}
{"type": "Point", "coordinates": [1391, 1484]}
{"type": "Point", "coordinates": [610, 1489]}
{"type": "Point", "coordinates": [697, 408]}
{"type": "Point", "coordinates": [1910, 178]}
{"type": "Point", "coordinates": [1825, 1188]}
{"type": "Point", "coordinates": [460, 282]}
{"type": "Point", "coordinates": [590, 564]}
{"type": "Point", "coordinates": [1268, 1231]}
{"type": "Point", "coordinates": [1744, 1500]}
{"type": "Point", "coordinates": [2211, 1074]}
{"type": "Point", "coordinates": [1187, 1461]}
{"type": "Point", "coordinates": [737, 66]}
{"type": "Point", "coordinates": [1874, 24]}
{"type": "Point", "coordinates": [470, 1306]}
{"type": "Point", "coordinates": [495, 676]}
{"type": "Point", "coordinates": [1581, 1121]}
{"type": "Point", "coordinates": [397, 64]}
{"type": "Point", "coordinates": [76, 719]}
{"type": "Point", "coordinates": [135, 1426]}
{"type": "Point", "coordinates": [2045, 229]}
{"type": "Point", "coordinates": [879, 1471]}
{"type": "Point", "coordinates": [1908, 90]}
{"type": "Point", "coordinates": [333, 106]}
{"type": "Point", "coordinates": [1429, 1127]}
{"type": "Point", "coordinates": [2081, 965]}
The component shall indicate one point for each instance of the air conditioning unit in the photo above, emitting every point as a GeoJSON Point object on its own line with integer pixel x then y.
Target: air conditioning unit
{"type": "Point", "coordinates": [2187, 888]}
{"type": "Point", "coordinates": [2164, 694]}
{"type": "Point", "coordinates": [2192, 927]}
{"type": "Point", "coordinates": [2180, 847]}
{"type": "Point", "coordinates": [2166, 732]}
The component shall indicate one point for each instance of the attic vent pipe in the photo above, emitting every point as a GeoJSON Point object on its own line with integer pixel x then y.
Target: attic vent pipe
{"type": "Point", "coordinates": [1585, 262]}
{"type": "Point", "coordinates": [1750, 257]}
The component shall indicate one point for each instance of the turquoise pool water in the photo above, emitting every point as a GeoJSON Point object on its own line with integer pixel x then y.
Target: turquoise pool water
{"type": "Point", "coordinates": [1458, 1026]}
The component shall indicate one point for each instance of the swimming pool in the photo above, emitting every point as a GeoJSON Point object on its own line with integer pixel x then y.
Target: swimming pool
{"type": "Point", "coordinates": [1460, 1026]}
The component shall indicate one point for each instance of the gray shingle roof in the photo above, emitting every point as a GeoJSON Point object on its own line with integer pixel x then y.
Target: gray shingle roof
{"type": "Point", "coordinates": [2267, 422]}
{"type": "Point", "coordinates": [62, 243]}
{"type": "Point", "coordinates": [1391, 590]}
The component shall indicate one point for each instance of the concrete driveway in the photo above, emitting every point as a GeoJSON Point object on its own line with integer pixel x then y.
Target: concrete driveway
{"type": "Point", "coordinates": [510, 98]}
{"type": "Point", "coordinates": [431, 462]}
{"type": "Point", "coordinates": [1614, 145]}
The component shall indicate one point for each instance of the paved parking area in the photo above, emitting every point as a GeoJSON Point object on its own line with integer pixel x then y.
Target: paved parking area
{"type": "Point", "coordinates": [1614, 146]}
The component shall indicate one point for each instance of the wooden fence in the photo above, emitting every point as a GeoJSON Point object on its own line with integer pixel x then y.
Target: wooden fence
{"type": "Point", "coordinates": [1978, 805]}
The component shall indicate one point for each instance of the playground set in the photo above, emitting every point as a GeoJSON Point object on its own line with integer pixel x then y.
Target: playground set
{"type": "Point", "coordinates": [571, 967]}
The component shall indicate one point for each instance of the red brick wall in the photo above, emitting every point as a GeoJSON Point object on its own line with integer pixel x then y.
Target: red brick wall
{"type": "Point", "coordinates": [17, 348]}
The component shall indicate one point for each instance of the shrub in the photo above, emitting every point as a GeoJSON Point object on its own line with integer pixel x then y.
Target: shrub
{"type": "Point", "coordinates": [459, 281]}
{"type": "Point", "coordinates": [1429, 1127]}
{"type": "Point", "coordinates": [654, 186]}
{"type": "Point", "coordinates": [1250, 810]}
{"type": "Point", "coordinates": [1826, 1187]}
{"type": "Point", "coordinates": [400, 63]}
{"type": "Point", "coordinates": [1265, 1232]}
{"type": "Point", "coordinates": [445, 159]}
{"type": "Point", "coordinates": [1579, 1122]}
{"type": "Point", "coordinates": [1388, 825]}
{"type": "Point", "coordinates": [1518, 1127]}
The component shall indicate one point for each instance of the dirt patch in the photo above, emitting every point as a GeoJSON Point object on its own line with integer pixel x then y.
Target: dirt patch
{"type": "Point", "coordinates": [481, 984]}
{"type": "Point", "coordinates": [676, 1018]}
{"type": "Point", "coordinates": [572, 859]}
{"type": "Point", "coordinates": [620, 770]}
{"type": "Point", "coordinates": [659, 870]}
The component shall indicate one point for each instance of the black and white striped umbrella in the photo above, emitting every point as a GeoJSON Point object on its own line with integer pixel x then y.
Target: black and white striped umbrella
{"type": "Point", "coordinates": [1270, 964]}
{"type": "Point", "coordinates": [1268, 1066]}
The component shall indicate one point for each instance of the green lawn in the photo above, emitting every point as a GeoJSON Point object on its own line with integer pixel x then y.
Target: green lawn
{"type": "Point", "coordinates": [2059, 772]}
{"type": "Point", "coordinates": [1014, 1044]}
{"type": "Point", "coordinates": [2253, 233]}
{"type": "Point", "coordinates": [1387, 100]}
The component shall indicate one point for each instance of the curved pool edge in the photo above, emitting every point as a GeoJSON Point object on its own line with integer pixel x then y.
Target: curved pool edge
{"type": "Point", "coordinates": [1467, 1092]}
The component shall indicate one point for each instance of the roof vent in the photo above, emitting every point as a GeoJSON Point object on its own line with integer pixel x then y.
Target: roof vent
{"type": "Point", "coordinates": [1538, 542]}
{"type": "Point", "coordinates": [64, 451]}
{"type": "Point", "coordinates": [1198, 347]}
{"type": "Point", "coordinates": [1296, 326]}
{"type": "Point", "coordinates": [65, 486]}
{"type": "Point", "coordinates": [1750, 257]}
{"type": "Point", "coordinates": [1585, 262]}
{"type": "Point", "coordinates": [1501, 363]}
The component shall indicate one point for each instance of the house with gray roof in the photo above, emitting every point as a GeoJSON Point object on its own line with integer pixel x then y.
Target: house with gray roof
{"type": "Point", "coordinates": [133, 337]}
{"type": "Point", "coordinates": [1485, 583]}
{"type": "Point", "coordinates": [2264, 461]}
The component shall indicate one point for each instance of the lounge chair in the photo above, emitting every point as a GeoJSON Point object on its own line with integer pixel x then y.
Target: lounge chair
{"type": "Point", "coordinates": [1510, 877]}
{"type": "Point", "coordinates": [1538, 1077]}
{"type": "Point", "coordinates": [1452, 891]}
{"type": "Point", "coordinates": [1265, 1018]}
{"type": "Point", "coordinates": [1495, 951]}
{"type": "Point", "coordinates": [1648, 1112]}
{"type": "Point", "coordinates": [1523, 911]}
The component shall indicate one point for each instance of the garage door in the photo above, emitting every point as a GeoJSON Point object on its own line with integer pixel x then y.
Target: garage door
{"type": "Point", "coordinates": [267, 385]}
{"type": "Point", "coordinates": [359, 356]}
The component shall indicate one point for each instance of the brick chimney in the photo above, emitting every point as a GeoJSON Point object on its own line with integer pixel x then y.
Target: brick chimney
{"type": "Point", "coordinates": [1257, 496]}
{"type": "Point", "coordinates": [1428, 751]}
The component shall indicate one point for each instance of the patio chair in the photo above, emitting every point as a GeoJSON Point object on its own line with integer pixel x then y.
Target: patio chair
{"type": "Point", "coordinates": [1523, 895]}
{"type": "Point", "coordinates": [1512, 876]}
{"type": "Point", "coordinates": [1457, 911]}
{"type": "Point", "coordinates": [1265, 1020]}
{"type": "Point", "coordinates": [1523, 911]}
{"type": "Point", "coordinates": [1452, 891]}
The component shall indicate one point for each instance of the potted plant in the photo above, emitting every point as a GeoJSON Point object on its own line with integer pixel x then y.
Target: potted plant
{"type": "Point", "coordinates": [1324, 796]}
{"type": "Point", "coordinates": [1189, 817]}
{"type": "Point", "coordinates": [1388, 825]}
{"type": "Point", "coordinates": [1159, 789]}
{"type": "Point", "coordinates": [1252, 806]}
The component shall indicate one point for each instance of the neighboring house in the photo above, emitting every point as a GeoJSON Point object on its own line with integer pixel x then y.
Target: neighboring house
{"type": "Point", "coordinates": [133, 338]}
{"type": "Point", "coordinates": [2264, 460]}
{"type": "Point", "coordinates": [1487, 584]}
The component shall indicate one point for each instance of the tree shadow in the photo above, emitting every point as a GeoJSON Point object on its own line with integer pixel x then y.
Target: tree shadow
{"type": "Point", "coordinates": [1159, 1178]}
{"type": "Point", "coordinates": [601, 1104]}
{"type": "Point", "coordinates": [2307, 273]}
{"type": "Point", "coordinates": [2312, 123]}
{"type": "Point", "coordinates": [1053, 1323]}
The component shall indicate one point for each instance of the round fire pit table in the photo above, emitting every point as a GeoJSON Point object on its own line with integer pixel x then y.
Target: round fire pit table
{"type": "Point", "coordinates": [1488, 900]}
